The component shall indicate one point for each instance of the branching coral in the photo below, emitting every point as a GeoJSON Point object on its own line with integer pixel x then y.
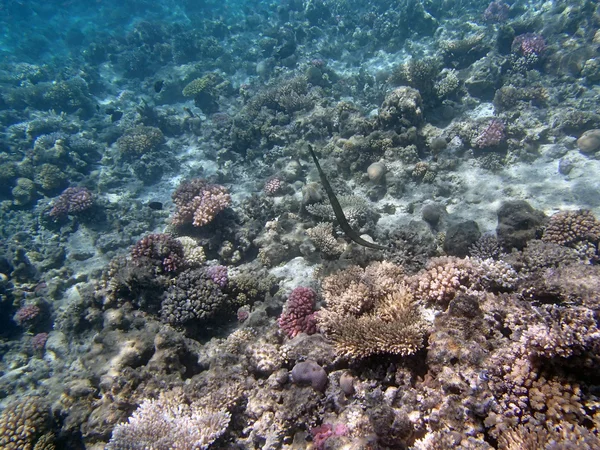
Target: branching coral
{"type": "Point", "coordinates": [443, 278]}
{"type": "Point", "coordinates": [322, 236]}
{"type": "Point", "coordinates": [170, 422]}
{"type": "Point", "coordinates": [570, 227]}
{"type": "Point", "coordinates": [371, 311]}
{"type": "Point", "coordinates": [354, 291]}
{"type": "Point", "coordinates": [139, 141]}
{"type": "Point", "coordinates": [160, 250]}
{"type": "Point", "coordinates": [299, 316]}
{"type": "Point", "coordinates": [198, 202]}
{"type": "Point", "coordinates": [193, 296]}
{"type": "Point", "coordinates": [73, 200]}
{"type": "Point", "coordinates": [393, 326]}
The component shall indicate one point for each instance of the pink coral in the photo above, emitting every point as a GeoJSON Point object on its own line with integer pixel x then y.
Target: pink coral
{"type": "Point", "coordinates": [161, 250]}
{"type": "Point", "coordinates": [529, 44]}
{"type": "Point", "coordinates": [72, 200]}
{"type": "Point", "coordinates": [273, 186]}
{"type": "Point", "coordinates": [299, 314]}
{"type": "Point", "coordinates": [27, 314]}
{"type": "Point", "coordinates": [492, 135]}
{"type": "Point", "coordinates": [198, 202]}
{"type": "Point", "coordinates": [497, 11]}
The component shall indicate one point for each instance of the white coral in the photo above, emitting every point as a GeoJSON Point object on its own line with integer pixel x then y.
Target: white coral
{"type": "Point", "coordinates": [169, 423]}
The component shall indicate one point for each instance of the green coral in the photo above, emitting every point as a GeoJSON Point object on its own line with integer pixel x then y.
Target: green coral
{"type": "Point", "coordinates": [24, 192]}
{"type": "Point", "coordinates": [50, 177]}
{"type": "Point", "coordinates": [204, 85]}
{"type": "Point", "coordinates": [140, 140]}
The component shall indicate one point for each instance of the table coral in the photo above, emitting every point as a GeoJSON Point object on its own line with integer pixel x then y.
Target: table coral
{"type": "Point", "coordinates": [169, 422]}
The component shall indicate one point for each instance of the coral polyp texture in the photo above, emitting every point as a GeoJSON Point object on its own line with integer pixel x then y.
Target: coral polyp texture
{"type": "Point", "coordinates": [160, 250]}
{"type": "Point", "coordinates": [198, 202]}
{"type": "Point", "coordinates": [26, 425]}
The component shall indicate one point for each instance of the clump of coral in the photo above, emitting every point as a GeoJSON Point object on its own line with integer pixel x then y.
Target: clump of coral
{"type": "Point", "coordinates": [193, 296]}
{"type": "Point", "coordinates": [299, 314]}
{"type": "Point", "coordinates": [170, 422]}
{"type": "Point", "coordinates": [73, 200]}
{"type": "Point", "coordinates": [25, 425]}
{"type": "Point", "coordinates": [160, 250]}
{"type": "Point", "coordinates": [139, 141]}
{"type": "Point", "coordinates": [198, 202]}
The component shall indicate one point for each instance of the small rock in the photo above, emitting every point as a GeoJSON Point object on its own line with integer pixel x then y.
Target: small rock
{"type": "Point", "coordinates": [309, 372]}
{"type": "Point", "coordinates": [589, 142]}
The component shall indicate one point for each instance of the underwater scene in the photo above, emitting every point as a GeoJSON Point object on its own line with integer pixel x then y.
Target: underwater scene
{"type": "Point", "coordinates": [299, 224]}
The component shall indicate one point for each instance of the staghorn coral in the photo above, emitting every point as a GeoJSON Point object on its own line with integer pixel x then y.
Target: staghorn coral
{"type": "Point", "coordinates": [199, 202]}
{"type": "Point", "coordinates": [299, 314]}
{"type": "Point", "coordinates": [23, 425]}
{"type": "Point", "coordinates": [394, 325]}
{"type": "Point", "coordinates": [170, 422]}
{"type": "Point", "coordinates": [571, 227]}
{"type": "Point", "coordinates": [160, 250]}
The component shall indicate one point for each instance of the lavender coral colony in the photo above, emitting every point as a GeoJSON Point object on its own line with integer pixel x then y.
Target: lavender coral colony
{"type": "Point", "coordinates": [300, 225]}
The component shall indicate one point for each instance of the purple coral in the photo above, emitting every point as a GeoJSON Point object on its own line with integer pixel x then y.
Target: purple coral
{"type": "Point", "coordinates": [73, 200]}
{"type": "Point", "coordinates": [27, 314]}
{"type": "Point", "coordinates": [529, 45]}
{"type": "Point", "coordinates": [492, 135]}
{"type": "Point", "coordinates": [218, 274]}
{"type": "Point", "coordinates": [497, 11]}
{"type": "Point", "coordinates": [198, 202]}
{"type": "Point", "coordinates": [299, 314]}
{"type": "Point", "coordinates": [161, 250]}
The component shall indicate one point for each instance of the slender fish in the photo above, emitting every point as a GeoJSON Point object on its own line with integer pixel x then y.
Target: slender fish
{"type": "Point", "coordinates": [337, 209]}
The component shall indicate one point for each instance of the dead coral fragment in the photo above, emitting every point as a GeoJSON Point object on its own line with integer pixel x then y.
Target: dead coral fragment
{"type": "Point", "coordinates": [394, 326]}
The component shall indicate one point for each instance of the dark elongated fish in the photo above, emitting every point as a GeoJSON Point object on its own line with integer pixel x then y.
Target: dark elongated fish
{"type": "Point", "coordinates": [337, 209]}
